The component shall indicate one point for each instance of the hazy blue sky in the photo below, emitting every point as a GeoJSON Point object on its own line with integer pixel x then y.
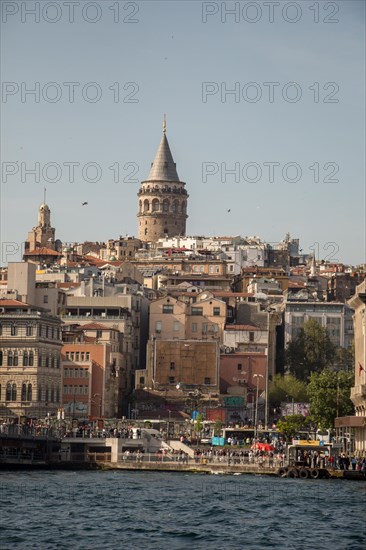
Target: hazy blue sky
{"type": "Point", "coordinates": [157, 56]}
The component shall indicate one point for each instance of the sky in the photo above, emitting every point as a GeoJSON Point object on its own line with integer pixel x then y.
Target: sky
{"type": "Point", "coordinates": [265, 108]}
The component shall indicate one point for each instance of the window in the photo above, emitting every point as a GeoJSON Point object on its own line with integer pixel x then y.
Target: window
{"type": "Point", "coordinates": [25, 359]}
{"type": "Point", "coordinates": [1, 358]}
{"type": "Point", "coordinates": [15, 359]}
{"type": "Point", "coordinates": [207, 380]}
{"type": "Point", "coordinates": [14, 392]}
{"type": "Point", "coordinates": [77, 356]}
{"type": "Point", "coordinates": [87, 355]}
{"type": "Point", "coordinates": [216, 311]}
{"type": "Point", "coordinates": [99, 335]}
{"type": "Point", "coordinates": [1, 330]}
{"type": "Point", "coordinates": [58, 395]}
{"type": "Point", "coordinates": [251, 336]}
{"type": "Point", "coordinates": [172, 365]}
{"type": "Point", "coordinates": [29, 392]}
{"type": "Point", "coordinates": [47, 362]}
{"type": "Point", "coordinates": [47, 330]}
{"type": "Point", "coordinates": [24, 392]}
{"type": "Point", "coordinates": [46, 394]}
{"type": "Point", "coordinates": [142, 380]}
{"type": "Point", "coordinates": [10, 359]}
{"type": "Point", "coordinates": [171, 380]}
{"type": "Point", "coordinates": [31, 359]}
{"type": "Point", "coordinates": [158, 327]}
{"type": "Point", "coordinates": [29, 330]}
{"type": "Point", "coordinates": [13, 330]}
{"type": "Point", "coordinates": [45, 299]}
{"type": "Point", "coordinates": [167, 308]}
{"type": "Point", "coordinates": [196, 310]}
{"type": "Point", "coordinates": [8, 392]}
{"type": "Point", "coordinates": [194, 327]}
{"type": "Point", "coordinates": [239, 366]}
{"type": "Point", "coordinates": [176, 326]}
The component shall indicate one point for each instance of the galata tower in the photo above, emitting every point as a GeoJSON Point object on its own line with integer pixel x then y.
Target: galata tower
{"type": "Point", "coordinates": [162, 198]}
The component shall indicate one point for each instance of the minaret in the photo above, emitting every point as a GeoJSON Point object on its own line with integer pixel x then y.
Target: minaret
{"type": "Point", "coordinates": [162, 198]}
{"type": "Point", "coordinates": [313, 266]}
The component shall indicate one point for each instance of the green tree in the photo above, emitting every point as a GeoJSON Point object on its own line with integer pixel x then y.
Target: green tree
{"type": "Point", "coordinates": [283, 388]}
{"type": "Point", "coordinates": [329, 396]}
{"type": "Point", "coordinates": [198, 425]}
{"type": "Point", "coordinates": [291, 424]}
{"type": "Point", "coordinates": [217, 427]}
{"type": "Point", "coordinates": [310, 351]}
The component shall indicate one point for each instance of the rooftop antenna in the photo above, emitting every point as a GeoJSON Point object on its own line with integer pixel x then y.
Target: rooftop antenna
{"type": "Point", "coordinates": [44, 195]}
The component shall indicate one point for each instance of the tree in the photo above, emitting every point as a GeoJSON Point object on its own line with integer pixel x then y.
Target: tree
{"type": "Point", "coordinates": [198, 425]}
{"type": "Point", "coordinates": [282, 388]}
{"type": "Point", "coordinates": [291, 424]}
{"type": "Point", "coordinates": [329, 396]}
{"type": "Point", "coordinates": [310, 351]}
{"type": "Point", "coordinates": [217, 427]}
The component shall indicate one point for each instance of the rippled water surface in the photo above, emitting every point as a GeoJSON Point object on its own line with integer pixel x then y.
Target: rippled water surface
{"type": "Point", "coordinates": [156, 510]}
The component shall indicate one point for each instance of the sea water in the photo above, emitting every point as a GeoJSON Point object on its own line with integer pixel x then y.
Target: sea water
{"type": "Point", "coordinates": [158, 510]}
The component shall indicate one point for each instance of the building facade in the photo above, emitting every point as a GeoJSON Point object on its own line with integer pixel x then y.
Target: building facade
{"type": "Point", "coordinates": [30, 360]}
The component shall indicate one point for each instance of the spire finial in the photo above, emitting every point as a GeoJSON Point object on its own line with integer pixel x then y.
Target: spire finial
{"type": "Point", "coordinates": [164, 124]}
{"type": "Point", "coordinates": [44, 196]}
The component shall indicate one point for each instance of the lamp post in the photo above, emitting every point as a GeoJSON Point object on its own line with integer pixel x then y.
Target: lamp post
{"type": "Point", "coordinates": [257, 376]}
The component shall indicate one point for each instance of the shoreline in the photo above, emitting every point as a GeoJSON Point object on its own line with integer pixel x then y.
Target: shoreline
{"type": "Point", "coordinates": [173, 467]}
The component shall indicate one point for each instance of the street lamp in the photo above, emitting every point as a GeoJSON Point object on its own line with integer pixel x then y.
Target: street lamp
{"type": "Point", "coordinates": [257, 376]}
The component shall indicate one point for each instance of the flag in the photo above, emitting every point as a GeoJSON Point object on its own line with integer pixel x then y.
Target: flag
{"type": "Point", "coordinates": [360, 369]}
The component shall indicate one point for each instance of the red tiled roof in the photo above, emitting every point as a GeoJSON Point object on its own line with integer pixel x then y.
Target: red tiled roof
{"type": "Point", "coordinates": [233, 294]}
{"type": "Point", "coordinates": [42, 251]}
{"type": "Point", "coordinates": [12, 303]}
{"type": "Point", "coordinates": [68, 285]}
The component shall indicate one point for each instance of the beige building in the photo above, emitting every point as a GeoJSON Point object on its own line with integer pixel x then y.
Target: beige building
{"type": "Point", "coordinates": [30, 369]}
{"type": "Point", "coordinates": [188, 364]}
{"type": "Point", "coordinates": [200, 317]}
{"type": "Point", "coordinates": [356, 425]}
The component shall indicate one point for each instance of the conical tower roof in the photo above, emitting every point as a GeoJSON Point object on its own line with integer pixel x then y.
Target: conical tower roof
{"type": "Point", "coordinates": [163, 168]}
